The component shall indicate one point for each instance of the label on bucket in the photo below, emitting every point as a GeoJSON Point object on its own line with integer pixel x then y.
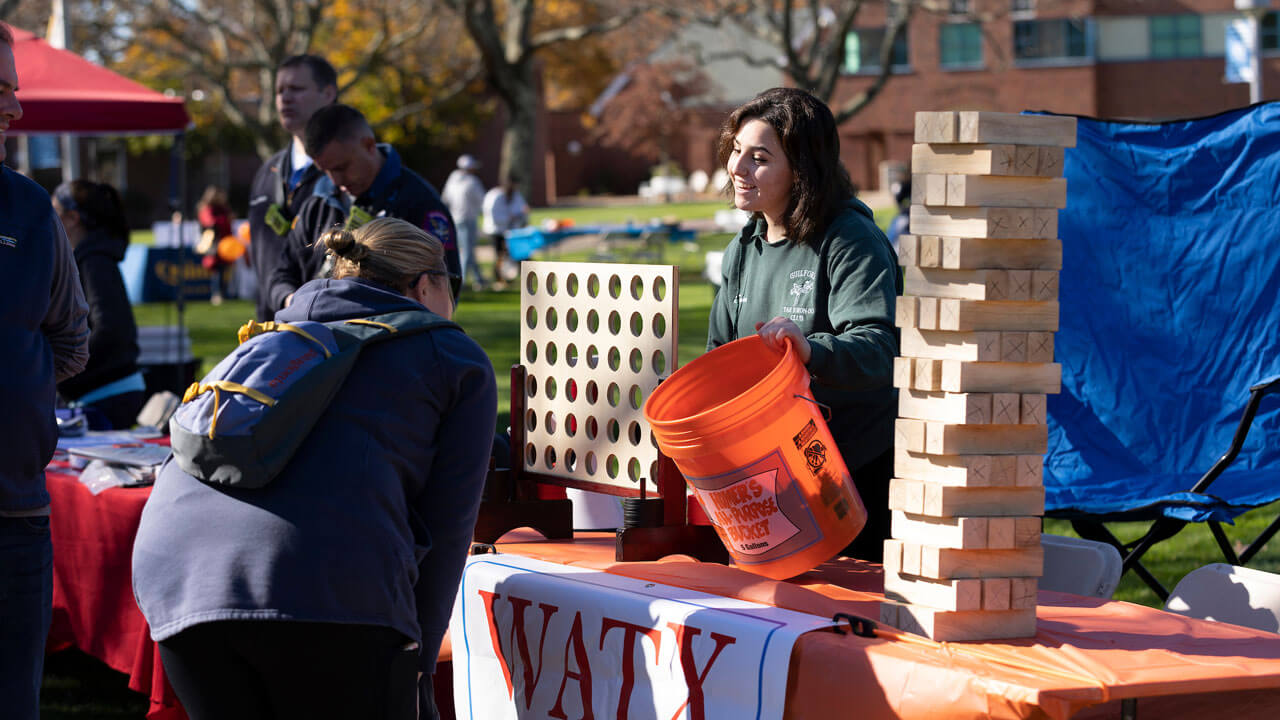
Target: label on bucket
{"type": "Point", "coordinates": [756, 509]}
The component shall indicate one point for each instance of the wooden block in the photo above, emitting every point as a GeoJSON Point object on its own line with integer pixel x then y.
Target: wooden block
{"type": "Point", "coordinates": [954, 470]}
{"type": "Point", "coordinates": [1022, 592]}
{"type": "Point", "coordinates": [1004, 473]}
{"type": "Point", "coordinates": [911, 558]}
{"type": "Point", "coordinates": [942, 563]}
{"type": "Point", "coordinates": [1026, 159]}
{"type": "Point", "coordinates": [1044, 285]}
{"type": "Point", "coordinates": [945, 407]}
{"type": "Point", "coordinates": [967, 160]}
{"type": "Point", "coordinates": [930, 251]}
{"type": "Point", "coordinates": [927, 314]}
{"type": "Point", "coordinates": [962, 376]}
{"type": "Point", "coordinates": [961, 594]}
{"type": "Point", "coordinates": [1005, 408]}
{"type": "Point", "coordinates": [903, 372]}
{"type": "Point", "coordinates": [907, 312]}
{"type": "Point", "coordinates": [1019, 287]}
{"type": "Point", "coordinates": [995, 127]}
{"type": "Point", "coordinates": [1040, 348]}
{"type": "Point", "coordinates": [907, 248]}
{"type": "Point", "coordinates": [906, 495]}
{"type": "Point", "coordinates": [909, 435]}
{"type": "Point", "coordinates": [1030, 471]}
{"type": "Point", "coordinates": [1013, 347]}
{"type": "Point", "coordinates": [1049, 161]}
{"type": "Point", "coordinates": [972, 253]}
{"type": "Point", "coordinates": [927, 374]}
{"type": "Point", "coordinates": [1026, 531]}
{"type": "Point", "coordinates": [944, 345]}
{"type": "Point", "coordinates": [985, 222]}
{"type": "Point", "coordinates": [944, 439]}
{"type": "Point", "coordinates": [935, 188]}
{"type": "Point", "coordinates": [937, 127]}
{"type": "Point", "coordinates": [1000, 533]}
{"type": "Point", "coordinates": [964, 533]}
{"type": "Point", "coordinates": [918, 189]}
{"type": "Point", "coordinates": [959, 626]}
{"type": "Point", "coordinates": [949, 501]}
{"type": "Point", "coordinates": [984, 284]}
{"type": "Point", "coordinates": [1032, 409]}
{"type": "Point", "coordinates": [1005, 191]}
{"type": "Point", "coordinates": [995, 594]}
{"type": "Point", "coordinates": [965, 315]}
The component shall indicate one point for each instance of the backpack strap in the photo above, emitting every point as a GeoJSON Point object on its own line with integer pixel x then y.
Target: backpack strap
{"type": "Point", "coordinates": [217, 387]}
{"type": "Point", "coordinates": [253, 328]}
{"type": "Point", "coordinates": [376, 328]}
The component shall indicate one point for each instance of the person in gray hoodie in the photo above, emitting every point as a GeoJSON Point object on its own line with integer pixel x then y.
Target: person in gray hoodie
{"type": "Point", "coordinates": [812, 268]}
{"type": "Point", "coordinates": [326, 593]}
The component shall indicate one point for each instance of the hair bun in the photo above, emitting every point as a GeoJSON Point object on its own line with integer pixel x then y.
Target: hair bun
{"type": "Point", "coordinates": [343, 244]}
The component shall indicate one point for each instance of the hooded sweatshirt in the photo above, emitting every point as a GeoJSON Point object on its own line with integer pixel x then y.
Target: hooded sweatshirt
{"type": "Point", "coordinates": [370, 521]}
{"type": "Point", "coordinates": [113, 336]}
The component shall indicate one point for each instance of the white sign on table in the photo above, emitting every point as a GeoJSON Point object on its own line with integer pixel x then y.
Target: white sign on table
{"type": "Point", "coordinates": [537, 639]}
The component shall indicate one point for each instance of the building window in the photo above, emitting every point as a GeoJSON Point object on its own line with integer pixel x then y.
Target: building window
{"type": "Point", "coordinates": [1056, 39]}
{"type": "Point", "coordinates": [959, 7]}
{"type": "Point", "coordinates": [1175, 36]}
{"type": "Point", "coordinates": [862, 51]}
{"type": "Point", "coordinates": [1270, 30]}
{"type": "Point", "coordinates": [960, 45]}
{"type": "Point", "coordinates": [1023, 7]}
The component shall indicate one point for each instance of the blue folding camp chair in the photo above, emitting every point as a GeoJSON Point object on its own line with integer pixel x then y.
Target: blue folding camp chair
{"type": "Point", "coordinates": [1169, 337]}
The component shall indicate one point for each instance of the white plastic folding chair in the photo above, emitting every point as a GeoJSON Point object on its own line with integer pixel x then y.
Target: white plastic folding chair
{"type": "Point", "coordinates": [1083, 567]}
{"type": "Point", "coordinates": [1230, 594]}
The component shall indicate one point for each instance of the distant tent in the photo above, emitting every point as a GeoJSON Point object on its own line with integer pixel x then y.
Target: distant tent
{"type": "Point", "coordinates": [62, 92]}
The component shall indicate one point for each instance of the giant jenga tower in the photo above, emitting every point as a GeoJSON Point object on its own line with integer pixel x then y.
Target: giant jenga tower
{"type": "Point", "coordinates": [978, 313]}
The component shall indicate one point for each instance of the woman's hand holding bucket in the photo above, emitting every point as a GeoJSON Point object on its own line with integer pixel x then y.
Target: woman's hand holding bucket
{"type": "Point", "coordinates": [778, 331]}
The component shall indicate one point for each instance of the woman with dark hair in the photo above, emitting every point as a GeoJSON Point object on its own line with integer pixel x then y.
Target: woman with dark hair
{"type": "Point", "coordinates": [111, 388]}
{"type": "Point", "coordinates": [811, 268]}
{"type": "Point", "coordinates": [326, 593]}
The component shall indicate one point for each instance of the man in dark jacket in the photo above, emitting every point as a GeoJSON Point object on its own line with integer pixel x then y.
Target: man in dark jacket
{"type": "Point", "coordinates": [44, 338]}
{"type": "Point", "coordinates": [304, 84]}
{"type": "Point", "coordinates": [366, 180]}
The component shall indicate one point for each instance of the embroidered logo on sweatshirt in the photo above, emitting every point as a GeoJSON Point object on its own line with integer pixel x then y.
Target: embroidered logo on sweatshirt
{"type": "Point", "coordinates": [6, 241]}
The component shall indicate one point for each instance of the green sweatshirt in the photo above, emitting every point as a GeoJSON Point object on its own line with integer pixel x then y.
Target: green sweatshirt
{"type": "Point", "coordinates": [842, 296]}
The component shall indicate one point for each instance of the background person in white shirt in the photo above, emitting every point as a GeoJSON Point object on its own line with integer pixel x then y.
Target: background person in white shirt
{"type": "Point", "coordinates": [464, 194]}
{"type": "Point", "coordinates": [504, 209]}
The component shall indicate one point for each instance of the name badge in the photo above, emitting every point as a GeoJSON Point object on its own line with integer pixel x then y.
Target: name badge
{"type": "Point", "coordinates": [277, 221]}
{"type": "Point", "coordinates": [357, 217]}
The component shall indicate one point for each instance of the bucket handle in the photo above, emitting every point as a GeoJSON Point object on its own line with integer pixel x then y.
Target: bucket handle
{"type": "Point", "coordinates": [826, 409]}
{"type": "Point", "coordinates": [860, 626]}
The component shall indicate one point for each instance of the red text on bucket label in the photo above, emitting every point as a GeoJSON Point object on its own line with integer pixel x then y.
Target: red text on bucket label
{"type": "Point", "coordinates": [747, 513]}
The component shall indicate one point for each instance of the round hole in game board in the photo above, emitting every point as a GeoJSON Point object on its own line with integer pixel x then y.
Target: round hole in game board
{"type": "Point", "coordinates": [549, 457]}
{"type": "Point", "coordinates": [615, 359]}
{"type": "Point", "coordinates": [593, 286]}
{"type": "Point", "coordinates": [531, 421]}
{"type": "Point", "coordinates": [614, 395]}
{"type": "Point", "coordinates": [660, 289]}
{"type": "Point", "coordinates": [637, 360]}
{"type": "Point", "coordinates": [571, 390]}
{"type": "Point", "coordinates": [571, 284]}
{"type": "Point", "coordinates": [553, 283]}
{"type": "Point", "coordinates": [637, 287]}
{"type": "Point", "coordinates": [530, 455]}
{"type": "Point", "coordinates": [653, 471]}
{"type": "Point", "coordinates": [615, 322]}
{"type": "Point", "coordinates": [659, 325]}
{"type": "Point", "coordinates": [612, 466]}
{"type": "Point", "coordinates": [571, 355]}
{"type": "Point", "coordinates": [593, 392]}
{"type": "Point", "coordinates": [615, 287]}
{"type": "Point", "coordinates": [531, 352]}
{"type": "Point", "coordinates": [593, 428]}
{"type": "Point", "coordinates": [549, 422]}
{"type": "Point", "coordinates": [570, 460]}
{"type": "Point", "coordinates": [659, 362]}
{"type": "Point", "coordinates": [553, 319]}
{"type": "Point", "coordinates": [593, 357]}
{"type": "Point", "coordinates": [590, 464]}
{"type": "Point", "coordinates": [653, 440]}
{"type": "Point", "coordinates": [531, 283]}
{"type": "Point", "coordinates": [550, 385]}
{"type": "Point", "coordinates": [593, 321]}
{"type": "Point", "coordinates": [551, 353]}
{"type": "Point", "coordinates": [637, 324]}
{"type": "Point", "coordinates": [571, 320]}
{"type": "Point", "coordinates": [633, 433]}
{"type": "Point", "coordinates": [571, 425]}
{"type": "Point", "coordinates": [531, 318]}
{"type": "Point", "coordinates": [612, 430]}
{"type": "Point", "coordinates": [531, 386]}
{"type": "Point", "coordinates": [633, 470]}
{"type": "Point", "coordinates": [637, 397]}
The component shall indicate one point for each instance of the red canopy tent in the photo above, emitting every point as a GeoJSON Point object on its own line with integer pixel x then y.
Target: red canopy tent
{"type": "Point", "coordinates": [62, 92]}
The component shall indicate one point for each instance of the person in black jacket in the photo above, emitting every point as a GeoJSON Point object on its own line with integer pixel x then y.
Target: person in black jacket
{"type": "Point", "coordinates": [366, 181]}
{"type": "Point", "coordinates": [111, 387]}
{"type": "Point", "coordinates": [304, 84]}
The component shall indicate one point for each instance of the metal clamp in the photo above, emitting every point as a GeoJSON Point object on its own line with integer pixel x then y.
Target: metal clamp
{"type": "Point", "coordinates": [859, 626]}
{"type": "Point", "coordinates": [483, 549]}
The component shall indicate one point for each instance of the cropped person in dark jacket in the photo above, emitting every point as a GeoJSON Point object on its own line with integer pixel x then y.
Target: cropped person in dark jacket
{"type": "Point", "coordinates": [111, 386]}
{"type": "Point", "coordinates": [325, 593]}
{"type": "Point", "coordinates": [366, 180]}
{"type": "Point", "coordinates": [813, 269]}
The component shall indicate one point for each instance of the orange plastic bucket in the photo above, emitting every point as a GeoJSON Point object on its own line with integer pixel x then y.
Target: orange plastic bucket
{"type": "Point", "coordinates": [750, 440]}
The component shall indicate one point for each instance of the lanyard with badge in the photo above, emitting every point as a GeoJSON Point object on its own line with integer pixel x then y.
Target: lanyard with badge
{"type": "Point", "coordinates": [277, 219]}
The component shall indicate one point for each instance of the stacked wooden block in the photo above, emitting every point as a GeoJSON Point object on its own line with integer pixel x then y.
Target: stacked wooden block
{"type": "Point", "coordinates": [977, 318]}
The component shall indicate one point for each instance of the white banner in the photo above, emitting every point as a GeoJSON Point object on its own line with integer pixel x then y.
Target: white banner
{"type": "Point", "coordinates": [533, 639]}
